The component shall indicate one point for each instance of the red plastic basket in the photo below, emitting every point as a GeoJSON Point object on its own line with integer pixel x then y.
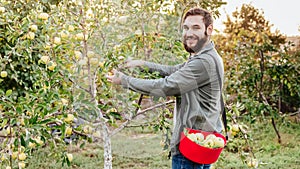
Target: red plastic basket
{"type": "Point", "coordinates": [198, 153]}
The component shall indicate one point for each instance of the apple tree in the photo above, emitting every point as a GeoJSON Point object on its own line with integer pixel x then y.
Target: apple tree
{"type": "Point", "coordinates": [261, 69]}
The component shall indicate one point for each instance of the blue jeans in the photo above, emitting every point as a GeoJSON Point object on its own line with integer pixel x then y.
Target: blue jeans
{"type": "Point", "coordinates": [180, 162]}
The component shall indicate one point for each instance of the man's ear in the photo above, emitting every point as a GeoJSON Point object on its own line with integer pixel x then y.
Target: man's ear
{"type": "Point", "coordinates": [209, 29]}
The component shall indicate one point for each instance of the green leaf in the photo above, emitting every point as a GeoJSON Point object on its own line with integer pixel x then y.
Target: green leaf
{"type": "Point", "coordinates": [82, 145]}
{"type": "Point", "coordinates": [33, 120]}
{"type": "Point", "coordinates": [23, 142]}
{"type": "Point", "coordinates": [46, 121]}
{"type": "Point", "coordinates": [8, 92]}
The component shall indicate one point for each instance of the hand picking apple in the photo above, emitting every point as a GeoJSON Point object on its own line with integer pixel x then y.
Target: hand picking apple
{"type": "Point", "coordinates": [115, 78]}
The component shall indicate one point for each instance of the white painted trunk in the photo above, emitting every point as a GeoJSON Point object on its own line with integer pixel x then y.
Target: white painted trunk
{"type": "Point", "coordinates": [107, 149]}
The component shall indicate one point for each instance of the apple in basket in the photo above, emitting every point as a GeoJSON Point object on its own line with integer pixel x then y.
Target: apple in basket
{"type": "Point", "coordinates": [210, 141]}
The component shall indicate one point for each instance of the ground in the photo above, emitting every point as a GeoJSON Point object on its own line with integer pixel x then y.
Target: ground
{"type": "Point", "coordinates": [141, 149]}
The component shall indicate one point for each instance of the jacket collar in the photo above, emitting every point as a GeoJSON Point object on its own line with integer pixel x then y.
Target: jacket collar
{"type": "Point", "coordinates": [209, 46]}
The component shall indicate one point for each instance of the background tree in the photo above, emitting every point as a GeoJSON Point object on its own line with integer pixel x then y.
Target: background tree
{"type": "Point", "coordinates": [261, 70]}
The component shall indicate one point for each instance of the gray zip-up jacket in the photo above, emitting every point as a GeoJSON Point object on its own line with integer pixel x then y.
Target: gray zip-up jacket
{"type": "Point", "coordinates": [196, 85]}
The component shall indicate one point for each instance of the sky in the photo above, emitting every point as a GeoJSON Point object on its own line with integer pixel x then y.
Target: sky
{"type": "Point", "coordinates": [283, 14]}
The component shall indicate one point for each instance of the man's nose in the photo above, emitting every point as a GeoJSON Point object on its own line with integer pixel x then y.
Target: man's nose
{"type": "Point", "coordinates": [189, 32]}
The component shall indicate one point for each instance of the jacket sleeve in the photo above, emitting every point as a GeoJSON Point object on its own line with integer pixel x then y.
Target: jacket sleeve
{"type": "Point", "coordinates": [164, 70]}
{"type": "Point", "coordinates": [189, 77]}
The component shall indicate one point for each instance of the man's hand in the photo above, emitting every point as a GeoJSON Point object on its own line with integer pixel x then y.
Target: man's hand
{"type": "Point", "coordinates": [115, 78]}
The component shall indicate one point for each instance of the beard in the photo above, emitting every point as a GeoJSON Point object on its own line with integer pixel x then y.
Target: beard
{"type": "Point", "coordinates": [198, 46]}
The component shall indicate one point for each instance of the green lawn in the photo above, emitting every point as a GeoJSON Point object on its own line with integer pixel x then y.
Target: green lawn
{"type": "Point", "coordinates": [142, 150]}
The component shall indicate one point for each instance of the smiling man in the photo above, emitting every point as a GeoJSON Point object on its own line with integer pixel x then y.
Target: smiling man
{"type": "Point", "coordinates": [195, 83]}
{"type": "Point", "coordinates": [196, 34]}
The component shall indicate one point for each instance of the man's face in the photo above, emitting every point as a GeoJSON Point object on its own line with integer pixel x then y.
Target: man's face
{"type": "Point", "coordinates": [194, 34]}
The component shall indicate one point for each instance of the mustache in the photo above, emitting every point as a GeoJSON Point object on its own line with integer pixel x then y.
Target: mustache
{"type": "Point", "coordinates": [190, 38]}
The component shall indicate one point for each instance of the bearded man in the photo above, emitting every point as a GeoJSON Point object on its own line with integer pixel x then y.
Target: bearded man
{"type": "Point", "coordinates": [195, 83]}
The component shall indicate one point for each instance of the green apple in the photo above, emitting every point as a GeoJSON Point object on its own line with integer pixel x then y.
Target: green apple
{"type": "Point", "coordinates": [71, 28]}
{"type": "Point", "coordinates": [200, 136]}
{"type": "Point", "coordinates": [33, 28]}
{"type": "Point", "coordinates": [70, 157]}
{"type": "Point", "coordinates": [87, 129]}
{"type": "Point", "coordinates": [70, 118]}
{"type": "Point", "coordinates": [22, 156]}
{"type": "Point", "coordinates": [30, 35]}
{"type": "Point", "coordinates": [22, 121]}
{"type": "Point", "coordinates": [94, 61]}
{"type": "Point", "coordinates": [90, 13]}
{"type": "Point", "coordinates": [3, 157]}
{"type": "Point", "coordinates": [122, 19]}
{"type": "Point", "coordinates": [3, 74]}
{"type": "Point", "coordinates": [14, 155]}
{"type": "Point", "coordinates": [68, 131]}
{"type": "Point", "coordinates": [79, 36]}
{"type": "Point", "coordinates": [77, 54]}
{"type": "Point", "coordinates": [31, 145]}
{"type": "Point", "coordinates": [235, 128]}
{"type": "Point", "coordinates": [192, 137]}
{"type": "Point", "coordinates": [2, 9]}
{"type": "Point", "coordinates": [209, 143]}
{"type": "Point", "coordinates": [98, 134]}
{"type": "Point", "coordinates": [90, 54]}
{"type": "Point", "coordinates": [57, 40]}
{"type": "Point", "coordinates": [45, 59]}
{"type": "Point", "coordinates": [210, 137]}
{"type": "Point", "coordinates": [64, 101]}
{"type": "Point", "coordinates": [43, 16]}
{"type": "Point", "coordinates": [39, 141]}
{"type": "Point", "coordinates": [219, 142]}
{"type": "Point", "coordinates": [138, 32]}
{"type": "Point", "coordinates": [52, 66]}
{"type": "Point", "coordinates": [21, 165]}
{"type": "Point", "coordinates": [101, 64]}
{"type": "Point", "coordinates": [64, 34]}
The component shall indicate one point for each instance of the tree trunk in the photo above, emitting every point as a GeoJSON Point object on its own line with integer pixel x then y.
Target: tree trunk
{"type": "Point", "coordinates": [107, 149]}
{"type": "Point", "coordinates": [265, 101]}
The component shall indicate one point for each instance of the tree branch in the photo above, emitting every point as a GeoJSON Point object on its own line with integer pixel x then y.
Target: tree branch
{"type": "Point", "coordinates": [123, 125]}
{"type": "Point", "coordinates": [76, 85]}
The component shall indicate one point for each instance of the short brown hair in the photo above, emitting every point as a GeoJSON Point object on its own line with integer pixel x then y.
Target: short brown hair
{"type": "Point", "coordinates": [207, 17]}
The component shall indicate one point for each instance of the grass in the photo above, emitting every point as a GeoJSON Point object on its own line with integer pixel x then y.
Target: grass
{"type": "Point", "coordinates": [135, 149]}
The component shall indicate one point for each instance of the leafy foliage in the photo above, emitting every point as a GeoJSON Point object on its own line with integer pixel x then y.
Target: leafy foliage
{"type": "Point", "coordinates": [259, 63]}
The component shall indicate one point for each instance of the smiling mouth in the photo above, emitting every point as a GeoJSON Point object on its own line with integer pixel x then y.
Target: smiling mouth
{"type": "Point", "coordinates": [191, 38]}
{"type": "Point", "coordinates": [191, 41]}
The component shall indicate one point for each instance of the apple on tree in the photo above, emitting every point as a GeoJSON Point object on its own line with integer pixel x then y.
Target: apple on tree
{"type": "Point", "coordinates": [21, 165]}
{"type": "Point", "coordinates": [69, 119]}
{"type": "Point", "coordinates": [70, 157]}
{"type": "Point", "coordinates": [43, 16]}
{"type": "Point", "coordinates": [68, 131]}
{"type": "Point", "coordinates": [3, 74]}
{"type": "Point", "coordinates": [22, 156]}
